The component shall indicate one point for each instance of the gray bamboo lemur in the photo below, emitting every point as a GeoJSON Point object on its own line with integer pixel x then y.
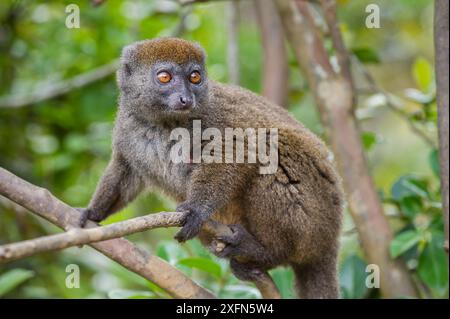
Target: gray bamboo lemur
{"type": "Point", "coordinates": [291, 217]}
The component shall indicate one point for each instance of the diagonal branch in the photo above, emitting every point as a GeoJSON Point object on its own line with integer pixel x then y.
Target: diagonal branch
{"type": "Point", "coordinates": [330, 14]}
{"type": "Point", "coordinates": [60, 88]}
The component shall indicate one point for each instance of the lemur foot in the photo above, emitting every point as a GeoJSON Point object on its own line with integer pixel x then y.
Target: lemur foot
{"type": "Point", "coordinates": [240, 244]}
{"type": "Point", "coordinates": [85, 215]}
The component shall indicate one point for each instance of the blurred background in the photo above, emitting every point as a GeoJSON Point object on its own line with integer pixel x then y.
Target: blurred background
{"type": "Point", "coordinates": [63, 143]}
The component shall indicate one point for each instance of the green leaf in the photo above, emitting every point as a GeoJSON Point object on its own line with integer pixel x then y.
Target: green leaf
{"type": "Point", "coordinates": [203, 264]}
{"type": "Point", "coordinates": [433, 159]}
{"type": "Point", "coordinates": [366, 55]}
{"type": "Point", "coordinates": [422, 73]}
{"type": "Point", "coordinates": [409, 186]}
{"type": "Point", "coordinates": [13, 278]}
{"type": "Point", "coordinates": [403, 242]}
{"type": "Point", "coordinates": [369, 139]}
{"type": "Point", "coordinates": [353, 278]}
{"type": "Point", "coordinates": [433, 267]}
{"type": "Point", "coordinates": [411, 206]}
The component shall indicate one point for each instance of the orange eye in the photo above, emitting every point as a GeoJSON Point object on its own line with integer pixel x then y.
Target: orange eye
{"type": "Point", "coordinates": [195, 77]}
{"type": "Point", "coordinates": [164, 77]}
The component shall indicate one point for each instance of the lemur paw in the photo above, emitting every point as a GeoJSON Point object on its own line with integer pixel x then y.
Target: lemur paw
{"type": "Point", "coordinates": [192, 223]}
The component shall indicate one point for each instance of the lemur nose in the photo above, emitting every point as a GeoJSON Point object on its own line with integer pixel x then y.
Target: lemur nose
{"type": "Point", "coordinates": [186, 102]}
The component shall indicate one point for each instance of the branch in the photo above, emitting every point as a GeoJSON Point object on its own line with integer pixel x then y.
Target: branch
{"type": "Point", "coordinates": [81, 236]}
{"type": "Point", "coordinates": [41, 202]}
{"type": "Point", "coordinates": [441, 46]}
{"type": "Point", "coordinates": [275, 65]}
{"type": "Point", "coordinates": [44, 204]}
{"type": "Point", "coordinates": [329, 12]}
{"type": "Point", "coordinates": [59, 88]}
{"type": "Point", "coordinates": [335, 98]}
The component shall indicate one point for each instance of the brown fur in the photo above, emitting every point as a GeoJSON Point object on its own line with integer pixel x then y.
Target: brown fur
{"type": "Point", "coordinates": [169, 49]}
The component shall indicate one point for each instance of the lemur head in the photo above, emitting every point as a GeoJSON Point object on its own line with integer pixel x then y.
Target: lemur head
{"type": "Point", "coordinates": [163, 77]}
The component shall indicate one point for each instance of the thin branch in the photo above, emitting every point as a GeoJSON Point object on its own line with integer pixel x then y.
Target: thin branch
{"type": "Point", "coordinates": [81, 236]}
{"type": "Point", "coordinates": [59, 88]}
{"type": "Point", "coordinates": [330, 14]}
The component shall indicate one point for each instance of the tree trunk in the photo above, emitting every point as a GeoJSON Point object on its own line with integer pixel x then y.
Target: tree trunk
{"type": "Point", "coordinates": [441, 33]}
{"type": "Point", "coordinates": [275, 84]}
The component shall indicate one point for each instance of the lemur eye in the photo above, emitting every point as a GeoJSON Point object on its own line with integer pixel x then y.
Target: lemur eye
{"type": "Point", "coordinates": [164, 77]}
{"type": "Point", "coordinates": [195, 77]}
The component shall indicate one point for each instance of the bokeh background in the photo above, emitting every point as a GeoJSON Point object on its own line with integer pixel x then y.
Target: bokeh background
{"type": "Point", "coordinates": [63, 144]}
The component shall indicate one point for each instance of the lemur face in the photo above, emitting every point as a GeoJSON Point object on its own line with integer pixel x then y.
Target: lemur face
{"type": "Point", "coordinates": [163, 77]}
{"type": "Point", "coordinates": [177, 87]}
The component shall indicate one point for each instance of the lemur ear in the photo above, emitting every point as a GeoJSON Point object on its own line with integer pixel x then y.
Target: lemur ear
{"type": "Point", "coordinates": [127, 69]}
{"type": "Point", "coordinates": [128, 59]}
{"type": "Point", "coordinates": [127, 66]}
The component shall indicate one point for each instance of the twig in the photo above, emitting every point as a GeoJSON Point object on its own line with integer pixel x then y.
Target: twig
{"type": "Point", "coordinates": [343, 57]}
{"type": "Point", "coordinates": [59, 88]}
{"type": "Point", "coordinates": [81, 236]}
